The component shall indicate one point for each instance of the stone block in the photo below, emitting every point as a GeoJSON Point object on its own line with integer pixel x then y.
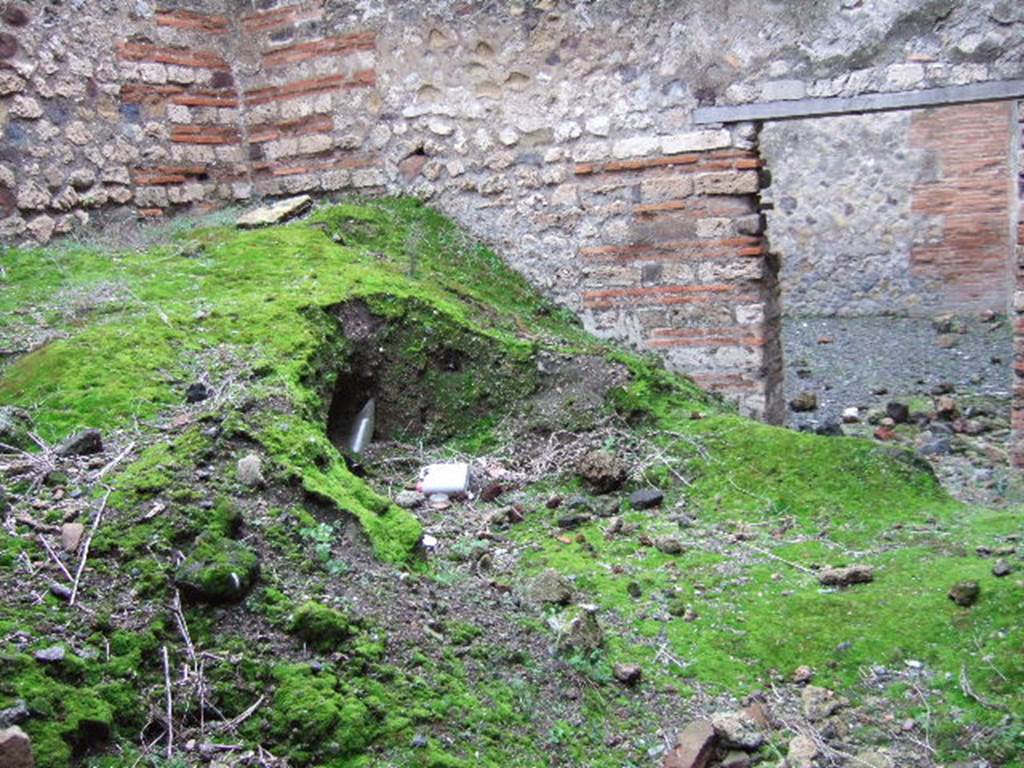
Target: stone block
{"type": "Point", "coordinates": [727, 183]}
{"type": "Point", "coordinates": [696, 141]}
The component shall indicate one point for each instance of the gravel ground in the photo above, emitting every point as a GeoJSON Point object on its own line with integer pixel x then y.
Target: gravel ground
{"type": "Point", "coordinates": [871, 361]}
{"type": "Point", "coordinates": [900, 355]}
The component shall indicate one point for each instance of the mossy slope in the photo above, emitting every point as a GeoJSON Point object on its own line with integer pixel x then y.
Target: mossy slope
{"type": "Point", "coordinates": [256, 314]}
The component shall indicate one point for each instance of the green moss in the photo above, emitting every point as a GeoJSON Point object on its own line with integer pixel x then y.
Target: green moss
{"type": "Point", "coordinates": [217, 570]}
{"type": "Point", "coordinates": [323, 628]}
{"type": "Point", "coordinates": [314, 721]}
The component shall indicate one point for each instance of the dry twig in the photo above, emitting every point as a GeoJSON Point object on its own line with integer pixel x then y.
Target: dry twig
{"type": "Point", "coordinates": [86, 544]}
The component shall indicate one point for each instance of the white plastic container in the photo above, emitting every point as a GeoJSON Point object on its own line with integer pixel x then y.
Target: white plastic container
{"type": "Point", "coordinates": [444, 478]}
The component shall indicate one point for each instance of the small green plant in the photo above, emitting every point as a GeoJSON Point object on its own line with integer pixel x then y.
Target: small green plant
{"type": "Point", "coordinates": [322, 538]}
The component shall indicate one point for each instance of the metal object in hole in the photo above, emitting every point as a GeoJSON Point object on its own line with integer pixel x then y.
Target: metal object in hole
{"type": "Point", "coordinates": [362, 428]}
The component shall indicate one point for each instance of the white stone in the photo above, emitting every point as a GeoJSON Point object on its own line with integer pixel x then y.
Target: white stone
{"type": "Point", "coordinates": [750, 314]}
{"type": "Point", "coordinates": [440, 127]}
{"type": "Point", "coordinates": [598, 126]}
{"type": "Point", "coordinates": [368, 177]}
{"type": "Point", "coordinates": [508, 136]}
{"type": "Point", "coordinates": [696, 141]}
{"type": "Point", "coordinates": [638, 146]}
{"type": "Point", "coordinates": [905, 75]}
{"type": "Point", "coordinates": [276, 213]}
{"type": "Point", "coordinates": [26, 108]}
{"type": "Point", "coordinates": [717, 227]}
{"type": "Point", "coordinates": [32, 197]}
{"type": "Point", "coordinates": [153, 73]}
{"type": "Point", "coordinates": [783, 90]}
{"type": "Point", "coordinates": [851, 415]}
{"type": "Point", "coordinates": [178, 113]}
{"type": "Point", "coordinates": [567, 131]}
{"type": "Point", "coordinates": [41, 228]}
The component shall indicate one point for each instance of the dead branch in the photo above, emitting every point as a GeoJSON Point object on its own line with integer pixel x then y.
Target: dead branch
{"type": "Point", "coordinates": [86, 544]}
{"type": "Point", "coordinates": [55, 557]}
{"type": "Point", "coordinates": [969, 692]}
{"type": "Point", "coordinates": [112, 463]}
{"type": "Point", "coordinates": [169, 704]}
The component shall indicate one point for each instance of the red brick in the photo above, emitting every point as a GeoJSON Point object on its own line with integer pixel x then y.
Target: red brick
{"type": "Point", "coordinates": [273, 131]}
{"type": "Point", "coordinates": [182, 57]}
{"type": "Point", "coordinates": [204, 134]}
{"type": "Point", "coordinates": [190, 20]}
{"type": "Point", "coordinates": [297, 88]}
{"type": "Point", "coordinates": [266, 21]}
{"type": "Point", "coordinates": [330, 46]}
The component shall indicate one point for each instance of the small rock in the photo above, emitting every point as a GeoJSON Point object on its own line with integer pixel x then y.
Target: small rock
{"type": "Point", "coordinates": [898, 412]}
{"type": "Point", "coordinates": [851, 415]}
{"type": "Point", "coordinates": [602, 470]}
{"type": "Point", "coordinates": [15, 425]}
{"type": "Point", "coordinates": [1001, 568]}
{"type": "Point", "coordinates": [71, 536]}
{"type": "Point", "coordinates": [830, 428]}
{"type": "Point", "coordinates": [802, 752]}
{"type": "Point", "coordinates": [871, 759]}
{"type": "Point", "coordinates": [197, 392]}
{"type": "Point", "coordinates": [670, 545]}
{"type": "Point", "coordinates": [804, 402]}
{"type": "Point", "coordinates": [945, 408]}
{"type": "Point", "coordinates": [83, 443]}
{"type": "Point", "coordinates": [572, 520]}
{"type": "Point", "coordinates": [419, 741]}
{"type": "Point", "coordinates": [634, 590]}
{"type": "Point", "coordinates": [884, 434]}
{"type": "Point", "coordinates": [491, 492]}
{"type": "Point", "coordinates": [276, 213]}
{"type": "Point", "coordinates": [60, 591]}
{"type": "Point", "coordinates": [14, 715]}
{"type": "Point", "coordinates": [965, 593]}
{"type": "Point", "coordinates": [551, 587]}
{"type": "Point", "coordinates": [583, 634]}
{"type": "Point", "coordinates": [409, 499]}
{"type": "Point", "coordinates": [15, 748]}
{"type": "Point", "coordinates": [250, 471]}
{"type": "Point", "coordinates": [646, 498]}
{"type": "Point", "coordinates": [931, 443]}
{"type": "Point", "coordinates": [803, 675]}
{"type": "Point", "coordinates": [737, 731]}
{"type": "Point", "coordinates": [844, 577]}
{"type": "Point", "coordinates": [608, 509]}
{"type": "Point", "coordinates": [735, 759]}
{"type": "Point", "coordinates": [554, 502]}
{"type": "Point", "coordinates": [52, 655]}
{"type": "Point", "coordinates": [695, 746]}
{"type": "Point", "coordinates": [627, 674]}
{"type": "Point", "coordinates": [818, 703]}
{"type": "Point", "coordinates": [947, 341]}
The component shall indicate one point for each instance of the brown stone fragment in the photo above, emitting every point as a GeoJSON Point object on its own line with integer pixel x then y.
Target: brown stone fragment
{"type": "Point", "coordinates": [15, 748]}
{"type": "Point", "coordinates": [694, 747]}
{"type": "Point", "coordinates": [844, 577]}
{"type": "Point", "coordinates": [71, 536]}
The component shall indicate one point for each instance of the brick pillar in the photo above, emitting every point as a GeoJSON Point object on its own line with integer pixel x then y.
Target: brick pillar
{"type": "Point", "coordinates": [1017, 308]}
{"type": "Point", "coordinates": [680, 265]}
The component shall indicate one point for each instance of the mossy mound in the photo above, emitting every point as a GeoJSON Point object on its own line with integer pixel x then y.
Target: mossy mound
{"type": "Point", "coordinates": [356, 645]}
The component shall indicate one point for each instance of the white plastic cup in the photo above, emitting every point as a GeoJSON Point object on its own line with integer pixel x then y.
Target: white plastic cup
{"type": "Point", "coordinates": [444, 478]}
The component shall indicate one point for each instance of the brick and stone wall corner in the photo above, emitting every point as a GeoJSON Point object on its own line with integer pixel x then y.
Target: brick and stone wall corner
{"type": "Point", "coordinates": [1017, 310]}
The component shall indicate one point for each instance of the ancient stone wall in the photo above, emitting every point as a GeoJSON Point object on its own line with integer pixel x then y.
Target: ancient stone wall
{"type": "Point", "coordinates": [904, 213]}
{"type": "Point", "coordinates": [560, 131]}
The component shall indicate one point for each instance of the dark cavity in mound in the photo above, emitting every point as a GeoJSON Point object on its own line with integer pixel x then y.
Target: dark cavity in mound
{"type": "Point", "coordinates": [429, 377]}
